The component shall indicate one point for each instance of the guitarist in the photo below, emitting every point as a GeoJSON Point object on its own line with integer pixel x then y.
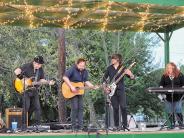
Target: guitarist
{"type": "Point", "coordinates": [77, 73]}
{"type": "Point", "coordinates": [119, 97]}
{"type": "Point", "coordinates": [30, 97]}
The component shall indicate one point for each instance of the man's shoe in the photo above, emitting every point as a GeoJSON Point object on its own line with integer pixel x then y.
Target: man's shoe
{"type": "Point", "coordinates": [124, 128]}
{"type": "Point", "coordinates": [171, 127]}
{"type": "Point", "coordinates": [116, 128]}
{"type": "Point", "coordinates": [181, 126]}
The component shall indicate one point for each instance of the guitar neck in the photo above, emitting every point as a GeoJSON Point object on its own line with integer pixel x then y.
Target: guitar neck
{"type": "Point", "coordinates": [86, 87]}
{"type": "Point", "coordinates": [82, 88]}
{"type": "Point", "coordinates": [123, 74]}
{"type": "Point", "coordinates": [39, 83]}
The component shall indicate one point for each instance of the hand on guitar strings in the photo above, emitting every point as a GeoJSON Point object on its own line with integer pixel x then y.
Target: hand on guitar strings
{"type": "Point", "coordinates": [51, 82]}
{"type": "Point", "coordinates": [129, 73]}
{"type": "Point", "coordinates": [74, 89]}
{"type": "Point", "coordinates": [106, 89]}
{"type": "Point", "coordinates": [95, 87]}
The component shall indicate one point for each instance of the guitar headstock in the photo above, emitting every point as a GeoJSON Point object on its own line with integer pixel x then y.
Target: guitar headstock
{"type": "Point", "coordinates": [133, 64]}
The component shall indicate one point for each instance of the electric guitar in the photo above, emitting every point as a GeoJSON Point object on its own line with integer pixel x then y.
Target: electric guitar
{"type": "Point", "coordinates": [67, 93]}
{"type": "Point", "coordinates": [113, 85]}
{"type": "Point", "coordinates": [21, 85]}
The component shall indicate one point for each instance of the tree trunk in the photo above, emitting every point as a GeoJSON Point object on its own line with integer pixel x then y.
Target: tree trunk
{"type": "Point", "coordinates": [61, 68]}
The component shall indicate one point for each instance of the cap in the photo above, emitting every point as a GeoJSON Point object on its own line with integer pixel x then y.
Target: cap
{"type": "Point", "coordinates": [39, 59]}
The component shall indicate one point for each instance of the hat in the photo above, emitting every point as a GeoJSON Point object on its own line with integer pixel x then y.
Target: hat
{"type": "Point", "coordinates": [39, 59]}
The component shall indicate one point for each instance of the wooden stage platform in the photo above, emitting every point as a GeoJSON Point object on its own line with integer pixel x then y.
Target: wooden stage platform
{"type": "Point", "coordinates": [99, 134]}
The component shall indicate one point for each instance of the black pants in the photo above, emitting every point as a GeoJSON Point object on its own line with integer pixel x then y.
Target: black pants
{"type": "Point", "coordinates": [119, 100]}
{"type": "Point", "coordinates": [31, 104]}
{"type": "Point", "coordinates": [77, 111]}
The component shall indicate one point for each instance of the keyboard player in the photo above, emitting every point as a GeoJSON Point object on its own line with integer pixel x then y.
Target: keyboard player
{"type": "Point", "coordinates": [173, 78]}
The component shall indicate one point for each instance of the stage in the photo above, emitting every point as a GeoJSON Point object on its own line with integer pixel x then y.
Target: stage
{"type": "Point", "coordinates": [176, 133]}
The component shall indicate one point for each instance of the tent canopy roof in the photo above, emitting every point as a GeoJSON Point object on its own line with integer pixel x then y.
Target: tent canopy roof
{"type": "Point", "coordinates": [116, 15]}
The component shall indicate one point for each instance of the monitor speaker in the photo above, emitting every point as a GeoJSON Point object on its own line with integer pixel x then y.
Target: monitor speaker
{"type": "Point", "coordinates": [14, 115]}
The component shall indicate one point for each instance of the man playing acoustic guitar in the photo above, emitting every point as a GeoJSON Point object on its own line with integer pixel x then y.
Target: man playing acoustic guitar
{"type": "Point", "coordinates": [31, 71]}
{"type": "Point", "coordinates": [77, 74]}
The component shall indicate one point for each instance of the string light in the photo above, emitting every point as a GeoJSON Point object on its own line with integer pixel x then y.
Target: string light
{"type": "Point", "coordinates": [29, 14]}
{"type": "Point", "coordinates": [106, 17]}
{"type": "Point", "coordinates": [81, 15]}
{"type": "Point", "coordinates": [68, 17]}
{"type": "Point", "coordinates": [143, 19]}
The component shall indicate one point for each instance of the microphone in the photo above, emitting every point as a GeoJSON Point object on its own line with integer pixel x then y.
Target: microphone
{"type": "Point", "coordinates": [171, 77]}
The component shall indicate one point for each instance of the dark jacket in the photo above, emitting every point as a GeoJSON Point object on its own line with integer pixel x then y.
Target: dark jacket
{"type": "Point", "coordinates": [110, 73]}
{"type": "Point", "coordinates": [175, 83]}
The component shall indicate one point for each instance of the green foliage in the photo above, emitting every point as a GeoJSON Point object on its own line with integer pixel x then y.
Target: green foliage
{"type": "Point", "coordinates": [19, 45]}
{"type": "Point", "coordinates": [97, 47]}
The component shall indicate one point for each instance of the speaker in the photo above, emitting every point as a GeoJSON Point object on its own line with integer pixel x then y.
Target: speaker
{"type": "Point", "coordinates": [14, 115]}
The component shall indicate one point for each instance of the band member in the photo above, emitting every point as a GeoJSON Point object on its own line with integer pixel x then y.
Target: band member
{"type": "Point", "coordinates": [119, 98]}
{"type": "Point", "coordinates": [77, 73]}
{"type": "Point", "coordinates": [173, 78]}
{"type": "Point", "coordinates": [31, 101]}
{"type": "Point", "coordinates": [2, 124]}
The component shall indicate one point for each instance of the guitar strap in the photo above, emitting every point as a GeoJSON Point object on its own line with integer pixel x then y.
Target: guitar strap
{"type": "Point", "coordinates": [117, 73]}
{"type": "Point", "coordinates": [82, 76]}
{"type": "Point", "coordinates": [36, 75]}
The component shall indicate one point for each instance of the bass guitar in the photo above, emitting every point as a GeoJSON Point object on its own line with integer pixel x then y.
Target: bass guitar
{"type": "Point", "coordinates": [67, 93]}
{"type": "Point", "coordinates": [21, 85]}
{"type": "Point", "coordinates": [113, 85]}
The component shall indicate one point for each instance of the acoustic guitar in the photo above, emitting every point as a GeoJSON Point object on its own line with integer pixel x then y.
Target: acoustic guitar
{"type": "Point", "coordinates": [67, 93]}
{"type": "Point", "coordinates": [24, 84]}
{"type": "Point", "coordinates": [2, 124]}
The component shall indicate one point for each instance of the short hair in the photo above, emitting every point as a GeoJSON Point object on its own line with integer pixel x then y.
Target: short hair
{"type": "Point", "coordinates": [117, 56]}
{"type": "Point", "coordinates": [80, 60]}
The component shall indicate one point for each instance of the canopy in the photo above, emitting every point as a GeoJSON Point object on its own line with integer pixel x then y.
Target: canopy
{"type": "Point", "coordinates": [116, 15]}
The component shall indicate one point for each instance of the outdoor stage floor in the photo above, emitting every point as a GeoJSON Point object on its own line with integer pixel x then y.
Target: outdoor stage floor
{"type": "Point", "coordinates": [176, 133]}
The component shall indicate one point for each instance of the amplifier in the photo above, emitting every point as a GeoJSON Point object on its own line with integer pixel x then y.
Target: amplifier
{"type": "Point", "coordinates": [14, 115]}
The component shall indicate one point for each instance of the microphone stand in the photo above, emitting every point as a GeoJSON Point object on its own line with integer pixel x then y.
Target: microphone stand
{"type": "Point", "coordinates": [172, 102]}
{"type": "Point", "coordinates": [107, 108]}
{"type": "Point", "coordinates": [107, 114]}
{"type": "Point", "coordinates": [24, 125]}
{"type": "Point", "coordinates": [172, 106]}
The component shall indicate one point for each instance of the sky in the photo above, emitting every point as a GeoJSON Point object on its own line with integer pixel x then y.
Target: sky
{"type": "Point", "coordinates": [176, 50]}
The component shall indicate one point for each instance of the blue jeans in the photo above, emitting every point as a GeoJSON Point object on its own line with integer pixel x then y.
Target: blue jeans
{"type": "Point", "coordinates": [175, 107]}
{"type": "Point", "coordinates": [174, 110]}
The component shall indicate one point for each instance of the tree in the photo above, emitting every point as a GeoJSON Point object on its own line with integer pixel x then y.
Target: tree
{"type": "Point", "coordinates": [19, 45]}
{"type": "Point", "coordinates": [61, 55]}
